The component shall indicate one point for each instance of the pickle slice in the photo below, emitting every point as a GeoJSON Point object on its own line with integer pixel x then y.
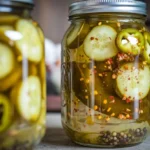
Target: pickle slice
{"type": "Point", "coordinates": [6, 60]}
{"type": "Point", "coordinates": [5, 113]}
{"type": "Point", "coordinates": [11, 79]}
{"type": "Point", "coordinates": [92, 91]}
{"type": "Point", "coordinates": [133, 82]}
{"type": "Point", "coordinates": [100, 43]}
{"type": "Point", "coordinates": [8, 19]}
{"type": "Point", "coordinates": [30, 44]}
{"type": "Point", "coordinates": [77, 35]}
{"type": "Point", "coordinates": [27, 97]}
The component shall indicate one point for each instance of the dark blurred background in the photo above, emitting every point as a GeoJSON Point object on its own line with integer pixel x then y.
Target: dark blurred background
{"type": "Point", "coordinates": [52, 15]}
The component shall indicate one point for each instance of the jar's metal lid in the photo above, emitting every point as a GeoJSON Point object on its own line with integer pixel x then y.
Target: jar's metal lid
{"type": "Point", "coordinates": [113, 6]}
{"type": "Point", "coordinates": [24, 1]}
{"type": "Point", "coordinates": [17, 3]}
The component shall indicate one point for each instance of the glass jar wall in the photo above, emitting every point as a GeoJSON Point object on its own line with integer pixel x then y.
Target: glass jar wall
{"type": "Point", "coordinates": [22, 78]}
{"type": "Point", "coordinates": [105, 80]}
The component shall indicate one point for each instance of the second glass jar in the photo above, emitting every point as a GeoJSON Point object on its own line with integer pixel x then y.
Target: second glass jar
{"type": "Point", "coordinates": [105, 80]}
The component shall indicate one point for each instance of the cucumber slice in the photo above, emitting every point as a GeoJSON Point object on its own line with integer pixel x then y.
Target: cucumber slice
{"type": "Point", "coordinates": [28, 100]}
{"type": "Point", "coordinates": [7, 60]}
{"type": "Point", "coordinates": [30, 45]}
{"type": "Point", "coordinates": [133, 82]}
{"type": "Point", "coordinates": [11, 79]}
{"type": "Point", "coordinates": [8, 19]}
{"type": "Point", "coordinates": [92, 90]}
{"type": "Point", "coordinates": [100, 43]}
{"type": "Point", "coordinates": [77, 35]}
{"type": "Point", "coordinates": [5, 113]}
{"type": "Point", "coordinates": [130, 41]}
{"type": "Point", "coordinates": [146, 53]}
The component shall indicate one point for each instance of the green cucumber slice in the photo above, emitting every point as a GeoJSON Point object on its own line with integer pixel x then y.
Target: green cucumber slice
{"type": "Point", "coordinates": [7, 60]}
{"type": "Point", "coordinates": [77, 35]}
{"type": "Point", "coordinates": [130, 41]}
{"type": "Point", "coordinates": [29, 98]}
{"type": "Point", "coordinates": [146, 53]}
{"type": "Point", "coordinates": [100, 43]}
{"type": "Point", "coordinates": [5, 113]}
{"type": "Point", "coordinates": [30, 45]}
{"type": "Point", "coordinates": [10, 80]}
{"type": "Point", "coordinates": [133, 82]}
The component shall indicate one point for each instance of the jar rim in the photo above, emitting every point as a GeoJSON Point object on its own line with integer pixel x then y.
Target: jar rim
{"type": "Point", "coordinates": [108, 6]}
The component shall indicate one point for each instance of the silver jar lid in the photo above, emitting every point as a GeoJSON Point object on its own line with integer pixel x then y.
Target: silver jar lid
{"type": "Point", "coordinates": [113, 6]}
{"type": "Point", "coordinates": [24, 1]}
{"type": "Point", "coordinates": [6, 4]}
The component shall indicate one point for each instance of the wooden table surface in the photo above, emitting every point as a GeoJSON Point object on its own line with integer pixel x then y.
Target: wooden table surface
{"type": "Point", "coordinates": [56, 139]}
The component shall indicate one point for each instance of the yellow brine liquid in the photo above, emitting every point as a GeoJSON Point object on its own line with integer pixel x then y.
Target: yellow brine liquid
{"type": "Point", "coordinates": [105, 82]}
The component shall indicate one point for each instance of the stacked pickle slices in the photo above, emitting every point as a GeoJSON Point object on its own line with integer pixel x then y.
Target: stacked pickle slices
{"type": "Point", "coordinates": [21, 72]}
{"type": "Point", "coordinates": [111, 76]}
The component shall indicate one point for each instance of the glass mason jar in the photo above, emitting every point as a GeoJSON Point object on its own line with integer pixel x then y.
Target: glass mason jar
{"type": "Point", "coordinates": [106, 74]}
{"type": "Point", "coordinates": [22, 77]}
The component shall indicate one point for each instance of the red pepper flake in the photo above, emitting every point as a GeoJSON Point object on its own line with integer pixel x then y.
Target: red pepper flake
{"type": "Point", "coordinates": [76, 110]}
{"type": "Point", "coordinates": [111, 97]}
{"type": "Point", "coordinates": [141, 100]}
{"type": "Point", "coordinates": [128, 100]}
{"type": "Point", "coordinates": [95, 71]}
{"type": "Point", "coordinates": [92, 38]}
{"type": "Point", "coordinates": [109, 61]}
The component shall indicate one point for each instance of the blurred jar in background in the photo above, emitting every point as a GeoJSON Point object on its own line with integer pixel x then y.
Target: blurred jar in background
{"type": "Point", "coordinates": [22, 77]}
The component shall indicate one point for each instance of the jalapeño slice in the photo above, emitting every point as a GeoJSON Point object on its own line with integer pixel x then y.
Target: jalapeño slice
{"type": "Point", "coordinates": [5, 113]}
{"type": "Point", "coordinates": [130, 41]}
